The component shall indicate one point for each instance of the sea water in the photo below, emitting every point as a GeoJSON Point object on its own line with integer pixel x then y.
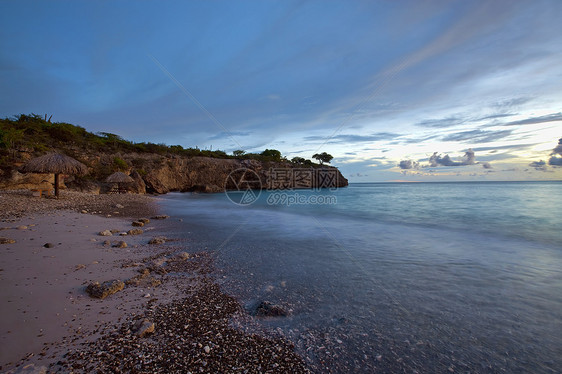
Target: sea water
{"type": "Point", "coordinates": [427, 277]}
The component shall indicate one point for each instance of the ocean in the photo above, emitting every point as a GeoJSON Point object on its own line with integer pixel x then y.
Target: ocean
{"type": "Point", "coordinates": [394, 277]}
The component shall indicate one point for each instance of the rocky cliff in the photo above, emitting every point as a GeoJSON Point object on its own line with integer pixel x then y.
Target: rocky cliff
{"type": "Point", "coordinates": [161, 174]}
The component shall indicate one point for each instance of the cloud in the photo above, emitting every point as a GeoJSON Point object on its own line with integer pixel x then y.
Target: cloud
{"type": "Point", "coordinates": [442, 122]}
{"type": "Point", "coordinates": [534, 120]}
{"type": "Point", "coordinates": [350, 138]}
{"type": "Point", "coordinates": [555, 161]}
{"type": "Point", "coordinates": [538, 165]}
{"type": "Point", "coordinates": [228, 135]}
{"type": "Point", "coordinates": [511, 103]}
{"type": "Point", "coordinates": [408, 164]}
{"type": "Point", "coordinates": [486, 165]}
{"type": "Point", "coordinates": [558, 149]}
{"type": "Point", "coordinates": [478, 136]}
{"type": "Point", "coordinates": [496, 148]}
{"type": "Point", "coordinates": [438, 160]}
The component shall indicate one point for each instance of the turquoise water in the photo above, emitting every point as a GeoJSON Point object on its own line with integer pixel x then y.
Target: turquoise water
{"type": "Point", "coordinates": [428, 277]}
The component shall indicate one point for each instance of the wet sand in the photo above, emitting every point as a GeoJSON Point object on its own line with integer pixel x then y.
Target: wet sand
{"type": "Point", "coordinates": [49, 321]}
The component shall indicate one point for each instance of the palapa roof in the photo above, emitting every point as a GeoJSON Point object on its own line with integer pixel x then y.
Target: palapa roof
{"type": "Point", "coordinates": [119, 177]}
{"type": "Point", "coordinates": [54, 163]}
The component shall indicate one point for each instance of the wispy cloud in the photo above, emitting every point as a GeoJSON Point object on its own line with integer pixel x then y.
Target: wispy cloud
{"type": "Point", "coordinates": [478, 136]}
{"type": "Point", "coordinates": [350, 138]}
{"type": "Point", "coordinates": [534, 120]}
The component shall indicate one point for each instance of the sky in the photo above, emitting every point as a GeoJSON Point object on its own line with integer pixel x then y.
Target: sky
{"type": "Point", "coordinates": [395, 90]}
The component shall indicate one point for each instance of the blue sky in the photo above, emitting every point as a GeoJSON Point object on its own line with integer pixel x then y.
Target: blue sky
{"type": "Point", "coordinates": [394, 90]}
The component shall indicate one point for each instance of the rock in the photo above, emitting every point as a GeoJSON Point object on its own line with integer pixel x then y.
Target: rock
{"type": "Point", "coordinates": [157, 240]}
{"type": "Point", "coordinates": [143, 220]}
{"type": "Point", "coordinates": [163, 216]}
{"type": "Point", "coordinates": [79, 267]}
{"type": "Point", "coordinates": [22, 227]}
{"type": "Point", "coordinates": [106, 243]}
{"type": "Point", "coordinates": [146, 296]}
{"type": "Point", "coordinates": [114, 231]}
{"type": "Point", "coordinates": [83, 211]}
{"type": "Point", "coordinates": [135, 232]}
{"type": "Point", "coordinates": [207, 349]}
{"type": "Point", "coordinates": [138, 223]}
{"type": "Point", "coordinates": [6, 240]}
{"type": "Point", "coordinates": [143, 328]}
{"type": "Point", "coordinates": [101, 291]}
{"type": "Point", "coordinates": [29, 369]}
{"type": "Point", "coordinates": [182, 256]}
{"type": "Point", "coordinates": [267, 309]}
{"type": "Point", "coordinates": [124, 233]}
{"type": "Point", "coordinates": [120, 244]}
{"type": "Point", "coordinates": [119, 206]}
{"type": "Point", "coordinates": [48, 245]}
{"type": "Point", "coordinates": [105, 233]}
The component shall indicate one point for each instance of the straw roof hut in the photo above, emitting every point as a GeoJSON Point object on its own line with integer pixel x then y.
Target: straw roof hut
{"type": "Point", "coordinates": [119, 178]}
{"type": "Point", "coordinates": [55, 163]}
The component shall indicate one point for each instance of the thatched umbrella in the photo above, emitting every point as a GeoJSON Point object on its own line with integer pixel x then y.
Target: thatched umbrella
{"type": "Point", "coordinates": [55, 163]}
{"type": "Point", "coordinates": [119, 178]}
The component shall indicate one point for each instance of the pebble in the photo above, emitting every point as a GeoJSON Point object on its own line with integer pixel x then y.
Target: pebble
{"type": "Point", "coordinates": [48, 245]}
{"type": "Point", "coordinates": [119, 206]}
{"type": "Point", "coordinates": [138, 223]}
{"type": "Point", "coordinates": [105, 233]}
{"type": "Point", "coordinates": [22, 227]}
{"type": "Point", "coordinates": [207, 349]}
{"type": "Point", "coordinates": [6, 240]}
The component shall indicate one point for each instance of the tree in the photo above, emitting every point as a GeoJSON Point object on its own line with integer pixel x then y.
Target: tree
{"type": "Point", "coordinates": [298, 160]}
{"type": "Point", "coordinates": [238, 153]}
{"type": "Point", "coordinates": [272, 154]}
{"type": "Point", "coordinates": [323, 157]}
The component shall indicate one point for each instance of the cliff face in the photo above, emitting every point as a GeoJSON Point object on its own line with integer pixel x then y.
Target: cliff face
{"type": "Point", "coordinates": [162, 174]}
{"type": "Point", "coordinates": [215, 175]}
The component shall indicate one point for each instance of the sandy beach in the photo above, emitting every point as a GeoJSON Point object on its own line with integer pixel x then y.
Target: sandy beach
{"type": "Point", "coordinates": [53, 250]}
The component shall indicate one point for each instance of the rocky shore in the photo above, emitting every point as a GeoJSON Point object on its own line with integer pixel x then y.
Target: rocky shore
{"type": "Point", "coordinates": [16, 204]}
{"type": "Point", "coordinates": [150, 307]}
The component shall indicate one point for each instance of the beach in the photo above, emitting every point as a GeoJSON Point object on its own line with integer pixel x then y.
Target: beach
{"type": "Point", "coordinates": [169, 316]}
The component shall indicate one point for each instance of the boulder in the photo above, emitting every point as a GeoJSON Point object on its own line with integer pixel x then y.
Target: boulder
{"type": "Point", "coordinates": [143, 327]}
{"type": "Point", "coordinates": [120, 244]}
{"type": "Point", "coordinates": [101, 291]}
{"type": "Point", "coordinates": [267, 309]}
{"type": "Point", "coordinates": [157, 240]}
{"type": "Point", "coordinates": [135, 232]}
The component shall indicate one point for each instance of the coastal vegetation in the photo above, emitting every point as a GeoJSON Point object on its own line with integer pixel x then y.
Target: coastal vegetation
{"type": "Point", "coordinates": [34, 133]}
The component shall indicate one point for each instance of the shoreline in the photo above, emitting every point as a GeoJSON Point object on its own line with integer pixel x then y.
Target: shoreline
{"type": "Point", "coordinates": [49, 322]}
